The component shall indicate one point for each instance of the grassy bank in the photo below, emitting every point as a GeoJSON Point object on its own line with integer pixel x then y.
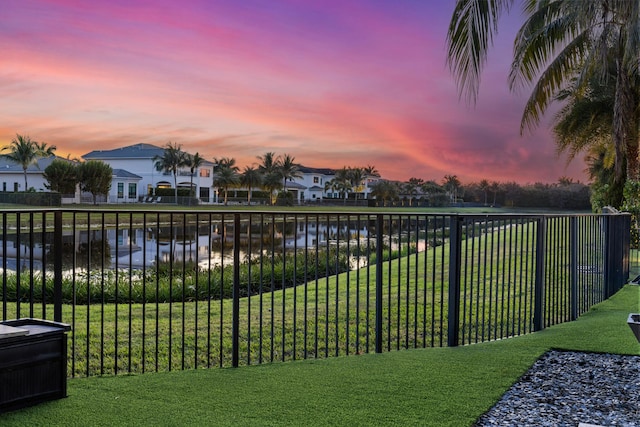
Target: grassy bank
{"type": "Point", "coordinates": [438, 386]}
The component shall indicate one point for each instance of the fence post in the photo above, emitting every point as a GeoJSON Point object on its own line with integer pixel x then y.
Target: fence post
{"type": "Point", "coordinates": [573, 274]}
{"type": "Point", "coordinates": [57, 266]}
{"type": "Point", "coordinates": [455, 249]}
{"type": "Point", "coordinates": [541, 250]}
{"type": "Point", "coordinates": [379, 242]}
{"type": "Point", "coordinates": [235, 325]}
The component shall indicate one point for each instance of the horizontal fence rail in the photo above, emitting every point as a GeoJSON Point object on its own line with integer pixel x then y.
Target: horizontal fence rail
{"type": "Point", "coordinates": [169, 290]}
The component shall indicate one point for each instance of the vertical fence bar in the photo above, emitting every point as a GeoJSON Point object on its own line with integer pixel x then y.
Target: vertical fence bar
{"type": "Point", "coordinates": [379, 241]}
{"type": "Point", "coordinates": [455, 232]}
{"type": "Point", "coordinates": [573, 266]}
{"type": "Point", "coordinates": [5, 300]}
{"type": "Point", "coordinates": [235, 328]}
{"type": "Point", "coordinates": [57, 267]}
{"type": "Point", "coordinates": [538, 310]}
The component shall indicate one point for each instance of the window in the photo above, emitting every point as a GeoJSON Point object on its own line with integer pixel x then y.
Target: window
{"type": "Point", "coordinates": [205, 172]}
{"type": "Point", "coordinates": [316, 179]}
{"type": "Point", "coordinates": [120, 190]}
{"type": "Point", "coordinates": [4, 187]}
{"type": "Point", "coordinates": [132, 190]}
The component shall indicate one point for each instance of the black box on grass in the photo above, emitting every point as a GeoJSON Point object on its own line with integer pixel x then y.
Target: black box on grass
{"type": "Point", "coordinates": [33, 362]}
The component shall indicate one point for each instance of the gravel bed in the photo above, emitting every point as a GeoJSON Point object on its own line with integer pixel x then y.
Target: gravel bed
{"type": "Point", "coordinates": [566, 388]}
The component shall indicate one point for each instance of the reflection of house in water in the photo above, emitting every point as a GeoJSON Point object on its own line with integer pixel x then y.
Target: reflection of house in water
{"type": "Point", "coordinates": [207, 245]}
{"type": "Point", "coordinates": [310, 234]}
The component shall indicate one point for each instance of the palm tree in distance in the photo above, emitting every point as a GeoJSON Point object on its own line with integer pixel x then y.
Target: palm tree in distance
{"type": "Point", "coordinates": [268, 167]}
{"type": "Point", "coordinates": [193, 162]}
{"type": "Point", "coordinates": [226, 175]}
{"type": "Point", "coordinates": [25, 152]}
{"type": "Point", "coordinates": [288, 169]}
{"type": "Point", "coordinates": [250, 178]}
{"type": "Point", "coordinates": [371, 170]}
{"type": "Point", "coordinates": [172, 159]}
{"type": "Point", "coordinates": [451, 184]}
{"type": "Point", "coordinates": [559, 41]}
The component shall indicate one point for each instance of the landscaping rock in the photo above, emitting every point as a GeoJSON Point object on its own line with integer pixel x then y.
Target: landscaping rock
{"type": "Point", "coordinates": [566, 388]}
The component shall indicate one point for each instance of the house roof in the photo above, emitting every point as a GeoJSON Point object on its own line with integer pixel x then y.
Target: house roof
{"type": "Point", "coordinates": [125, 174]}
{"type": "Point", "coordinates": [136, 151]}
{"type": "Point", "coordinates": [7, 166]}
{"type": "Point", "coordinates": [321, 171]}
{"type": "Point", "coordinates": [295, 185]}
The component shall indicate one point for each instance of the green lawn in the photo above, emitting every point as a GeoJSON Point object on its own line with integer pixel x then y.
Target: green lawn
{"type": "Point", "coordinates": [436, 386]}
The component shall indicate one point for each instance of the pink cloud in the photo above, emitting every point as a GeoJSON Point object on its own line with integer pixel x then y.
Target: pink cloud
{"type": "Point", "coordinates": [332, 83]}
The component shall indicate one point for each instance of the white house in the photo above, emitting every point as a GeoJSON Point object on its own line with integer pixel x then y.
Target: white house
{"type": "Point", "coordinates": [138, 160]}
{"type": "Point", "coordinates": [12, 175]}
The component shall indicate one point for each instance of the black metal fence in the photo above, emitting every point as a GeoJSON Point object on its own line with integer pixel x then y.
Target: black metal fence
{"type": "Point", "coordinates": [164, 290]}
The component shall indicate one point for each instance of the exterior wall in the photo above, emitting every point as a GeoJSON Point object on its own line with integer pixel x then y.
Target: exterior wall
{"type": "Point", "coordinates": [8, 181]}
{"type": "Point", "coordinates": [151, 177]}
{"type": "Point", "coordinates": [121, 192]}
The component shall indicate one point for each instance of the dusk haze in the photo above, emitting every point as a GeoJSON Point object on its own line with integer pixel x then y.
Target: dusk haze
{"type": "Point", "coordinates": [333, 83]}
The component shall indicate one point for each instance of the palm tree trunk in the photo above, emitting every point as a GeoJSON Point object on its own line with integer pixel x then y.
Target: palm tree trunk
{"type": "Point", "coordinates": [175, 185]}
{"type": "Point", "coordinates": [25, 179]}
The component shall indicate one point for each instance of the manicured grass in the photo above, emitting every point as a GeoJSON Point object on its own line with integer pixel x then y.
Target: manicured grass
{"type": "Point", "coordinates": [436, 386]}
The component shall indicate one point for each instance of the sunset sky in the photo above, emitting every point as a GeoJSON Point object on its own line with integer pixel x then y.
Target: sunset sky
{"type": "Point", "coordinates": [332, 82]}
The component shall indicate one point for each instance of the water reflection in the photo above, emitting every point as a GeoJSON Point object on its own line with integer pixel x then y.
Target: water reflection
{"type": "Point", "coordinates": [207, 245]}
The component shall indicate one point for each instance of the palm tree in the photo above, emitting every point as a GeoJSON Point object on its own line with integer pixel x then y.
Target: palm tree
{"type": "Point", "coordinates": [559, 41]}
{"type": "Point", "coordinates": [250, 178]}
{"type": "Point", "coordinates": [484, 186]}
{"type": "Point", "coordinates": [451, 184]}
{"type": "Point", "coordinates": [584, 125]}
{"type": "Point", "coordinates": [172, 159]}
{"type": "Point", "coordinates": [384, 190]}
{"type": "Point", "coordinates": [356, 177]}
{"type": "Point", "coordinates": [494, 187]}
{"type": "Point", "coordinates": [226, 175]}
{"type": "Point", "coordinates": [411, 188]}
{"type": "Point", "coordinates": [271, 182]}
{"type": "Point", "coordinates": [268, 167]}
{"type": "Point", "coordinates": [371, 170]}
{"type": "Point", "coordinates": [25, 152]}
{"type": "Point", "coordinates": [268, 163]}
{"type": "Point", "coordinates": [288, 169]}
{"type": "Point", "coordinates": [193, 162]}
{"type": "Point", "coordinates": [342, 182]}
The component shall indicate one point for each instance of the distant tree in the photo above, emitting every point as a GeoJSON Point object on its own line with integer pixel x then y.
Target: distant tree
{"type": "Point", "coordinates": [411, 188]}
{"type": "Point", "coordinates": [95, 177]}
{"type": "Point", "coordinates": [384, 190]}
{"type": "Point", "coordinates": [226, 175]}
{"type": "Point", "coordinates": [451, 184]}
{"type": "Point", "coordinates": [193, 162]}
{"type": "Point", "coordinates": [371, 170]}
{"type": "Point", "coordinates": [484, 186]}
{"type": "Point", "coordinates": [250, 178]}
{"type": "Point", "coordinates": [494, 187]}
{"type": "Point", "coordinates": [25, 152]}
{"type": "Point", "coordinates": [288, 169]}
{"type": "Point", "coordinates": [172, 159]}
{"type": "Point", "coordinates": [356, 177]}
{"type": "Point", "coordinates": [268, 168]}
{"type": "Point", "coordinates": [61, 176]}
{"type": "Point", "coordinates": [271, 181]}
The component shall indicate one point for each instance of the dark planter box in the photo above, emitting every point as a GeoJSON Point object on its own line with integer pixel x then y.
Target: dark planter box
{"type": "Point", "coordinates": [33, 362]}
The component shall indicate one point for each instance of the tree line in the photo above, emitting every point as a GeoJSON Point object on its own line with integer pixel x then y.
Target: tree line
{"type": "Point", "coordinates": [565, 194]}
